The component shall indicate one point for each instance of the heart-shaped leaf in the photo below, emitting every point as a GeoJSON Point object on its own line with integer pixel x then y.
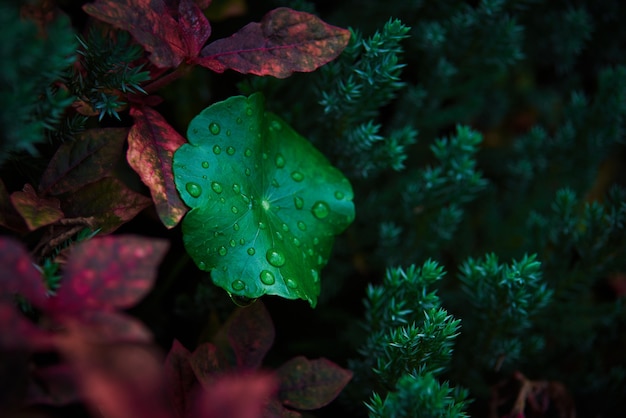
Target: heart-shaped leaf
{"type": "Point", "coordinates": [265, 204]}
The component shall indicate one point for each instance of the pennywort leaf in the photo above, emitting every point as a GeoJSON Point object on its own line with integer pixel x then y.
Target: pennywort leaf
{"type": "Point", "coordinates": [265, 204]}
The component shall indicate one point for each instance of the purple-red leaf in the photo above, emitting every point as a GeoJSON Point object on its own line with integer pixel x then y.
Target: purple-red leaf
{"type": "Point", "coordinates": [170, 35]}
{"type": "Point", "coordinates": [53, 385]}
{"type": "Point", "coordinates": [311, 384]}
{"type": "Point", "coordinates": [108, 200]}
{"type": "Point", "coordinates": [283, 42]}
{"type": "Point", "coordinates": [250, 334]}
{"type": "Point", "coordinates": [19, 333]}
{"type": "Point", "coordinates": [36, 211]}
{"type": "Point", "coordinates": [151, 145]}
{"type": "Point", "coordinates": [18, 274]}
{"type": "Point", "coordinates": [205, 363]}
{"type": "Point", "coordinates": [87, 159]}
{"type": "Point", "coordinates": [108, 272]}
{"type": "Point", "coordinates": [180, 379]}
{"type": "Point", "coordinates": [275, 409]}
{"type": "Point", "coordinates": [105, 327]}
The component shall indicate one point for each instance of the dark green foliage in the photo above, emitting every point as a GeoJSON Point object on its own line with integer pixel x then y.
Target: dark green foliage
{"type": "Point", "coordinates": [32, 97]}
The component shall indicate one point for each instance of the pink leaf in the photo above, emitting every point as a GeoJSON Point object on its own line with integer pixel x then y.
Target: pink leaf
{"type": "Point", "coordinates": [180, 378]}
{"type": "Point", "coordinates": [151, 145]}
{"type": "Point", "coordinates": [283, 42]}
{"type": "Point", "coordinates": [250, 332]}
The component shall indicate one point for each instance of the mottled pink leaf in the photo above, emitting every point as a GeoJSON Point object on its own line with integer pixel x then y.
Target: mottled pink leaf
{"type": "Point", "coordinates": [18, 333]}
{"type": "Point", "coordinates": [108, 200]}
{"type": "Point", "coordinates": [90, 157]}
{"type": "Point", "coordinates": [194, 27]}
{"type": "Point", "coordinates": [311, 384]}
{"type": "Point", "coordinates": [283, 42]}
{"type": "Point", "coordinates": [18, 273]}
{"type": "Point", "coordinates": [108, 272]}
{"type": "Point", "coordinates": [205, 363]}
{"type": "Point", "coordinates": [180, 379]}
{"type": "Point", "coordinates": [36, 211]}
{"type": "Point", "coordinates": [151, 145]}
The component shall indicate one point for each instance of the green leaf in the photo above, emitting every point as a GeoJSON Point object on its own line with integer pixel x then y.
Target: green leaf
{"type": "Point", "coordinates": [265, 204]}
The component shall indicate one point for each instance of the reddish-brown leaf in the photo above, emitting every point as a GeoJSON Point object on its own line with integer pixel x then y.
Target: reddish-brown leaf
{"type": "Point", "coordinates": [36, 211]}
{"type": "Point", "coordinates": [225, 9]}
{"type": "Point", "coordinates": [311, 384]}
{"type": "Point", "coordinates": [283, 42]}
{"type": "Point", "coordinates": [108, 200]}
{"type": "Point", "coordinates": [85, 160]}
{"type": "Point", "coordinates": [108, 272]}
{"type": "Point", "coordinates": [250, 334]}
{"type": "Point", "coordinates": [241, 396]}
{"type": "Point", "coordinates": [180, 379]}
{"type": "Point", "coordinates": [205, 363]}
{"type": "Point", "coordinates": [275, 409]}
{"type": "Point", "coordinates": [151, 145]}
{"type": "Point", "coordinates": [9, 218]}
{"type": "Point", "coordinates": [18, 273]}
{"type": "Point", "coordinates": [170, 35]}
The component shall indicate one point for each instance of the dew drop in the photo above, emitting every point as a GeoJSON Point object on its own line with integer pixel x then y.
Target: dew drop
{"type": "Point", "coordinates": [230, 150]}
{"type": "Point", "coordinates": [247, 171]}
{"type": "Point", "coordinates": [214, 128]}
{"type": "Point", "coordinates": [276, 125]}
{"type": "Point", "coordinates": [242, 241]}
{"type": "Point", "coordinates": [249, 111]}
{"type": "Point", "coordinates": [205, 164]}
{"type": "Point", "coordinates": [228, 132]}
{"type": "Point", "coordinates": [267, 277]}
{"type": "Point", "coordinates": [217, 149]}
{"type": "Point", "coordinates": [202, 265]}
{"type": "Point", "coordinates": [275, 183]}
{"type": "Point", "coordinates": [204, 177]}
{"type": "Point", "coordinates": [222, 200]}
{"type": "Point", "coordinates": [264, 156]}
{"type": "Point", "coordinates": [275, 257]}
{"type": "Point", "coordinates": [338, 195]}
{"type": "Point", "coordinates": [320, 210]}
{"type": "Point", "coordinates": [279, 236]}
{"type": "Point", "coordinates": [297, 176]}
{"type": "Point", "coordinates": [222, 251]}
{"type": "Point", "coordinates": [247, 152]}
{"type": "Point", "coordinates": [238, 285]}
{"type": "Point", "coordinates": [236, 226]}
{"type": "Point", "coordinates": [296, 242]}
{"type": "Point", "coordinates": [285, 227]}
{"type": "Point", "coordinates": [279, 160]}
{"type": "Point", "coordinates": [193, 189]}
{"type": "Point", "coordinates": [301, 226]}
{"type": "Point", "coordinates": [251, 251]}
{"type": "Point", "coordinates": [316, 241]}
{"type": "Point", "coordinates": [262, 225]}
{"type": "Point", "coordinates": [236, 188]}
{"type": "Point", "coordinates": [310, 252]}
{"type": "Point", "coordinates": [216, 187]}
{"type": "Point", "coordinates": [245, 199]}
{"type": "Point", "coordinates": [265, 204]}
{"type": "Point", "coordinates": [291, 283]}
{"type": "Point", "coordinates": [232, 243]}
{"type": "Point", "coordinates": [234, 209]}
{"type": "Point", "coordinates": [239, 121]}
{"type": "Point", "coordinates": [316, 276]}
{"type": "Point", "coordinates": [298, 202]}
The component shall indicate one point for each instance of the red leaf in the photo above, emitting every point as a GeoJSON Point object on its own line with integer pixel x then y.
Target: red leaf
{"type": "Point", "coordinates": [87, 159]}
{"type": "Point", "coordinates": [18, 274]}
{"type": "Point", "coordinates": [19, 333]}
{"type": "Point", "coordinates": [108, 272]}
{"type": "Point", "coordinates": [180, 378]}
{"type": "Point", "coordinates": [151, 145]}
{"type": "Point", "coordinates": [153, 24]}
{"type": "Point", "coordinates": [194, 27]}
{"type": "Point", "coordinates": [36, 211]}
{"type": "Point", "coordinates": [108, 200]}
{"type": "Point", "coordinates": [311, 384]}
{"type": "Point", "coordinates": [240, 396]}
{"type": "Point", "coordinates": [205, 363]}
{"type": "Point", "coordinates": [9, 218]}
{"type": "Point", "coordinates": [103, 327]}
{"type": "Point", "coordinates": [250, 333]}
{"type": "Point", "coordinates": [283, 42]}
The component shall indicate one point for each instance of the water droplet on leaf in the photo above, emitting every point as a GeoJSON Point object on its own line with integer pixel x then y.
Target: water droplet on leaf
{"type": "Point", "coordinates": [285, 227]}
{"type": "Point", "coordinates": [216, 187]}
{"type": "Point", "coordinates": [234, 209]}
{"type": "Point", "coordinates": [338, 195]}
{"type": "Point", "coordinates": [230, 150]}
{"type": "Point", "coordinates": [276, 125]}
{"type": "Point", "coordinates": [297, 176]}
{"type": "Point", "coordinates": [222, 251]}
{"type": "Point", "coordinates": [247, 152]}
{"type": "Point", "coordinates": [298, 202]}
{"type": "Point", "coordinates": [236, 226]}
{"type": "Point", "coordinates": [232, 243]}
{"type": "Point", "coordinates": [238, 285]}
{"type": "Point", "coordinates": [202, 265]}
{"type": "Point", "coordinates": [267, 277]}
{"type": "Point", "coordinates": [291, 284]}
{"type": "Point", "coordinates": [279, 160]}
{"type": "Point", "coordinates": [214, 128]}
{"type": "Point", "coordinates": [205, 164]}
{"type": "Point", "coordinates": [262, 225]}
{"type": "Point", "coordinates": [217, 149]}
{"type": "Point", "coordinates": [249, 111]}
{"type": "Point", "coordinates": [193, 189]}
{"type": "Point", "coordinates": [236, 188]}
{"type": "Point", "coordinates": [275, 257]}
{"type": "Point", "coordinates": [247, 171]}
{"type": "Point", "coordinates": [320, 210]}
{"type": "Point", "coordinates": [301, 226]}
{"type": "Point", "coordinates": [251, 251]}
